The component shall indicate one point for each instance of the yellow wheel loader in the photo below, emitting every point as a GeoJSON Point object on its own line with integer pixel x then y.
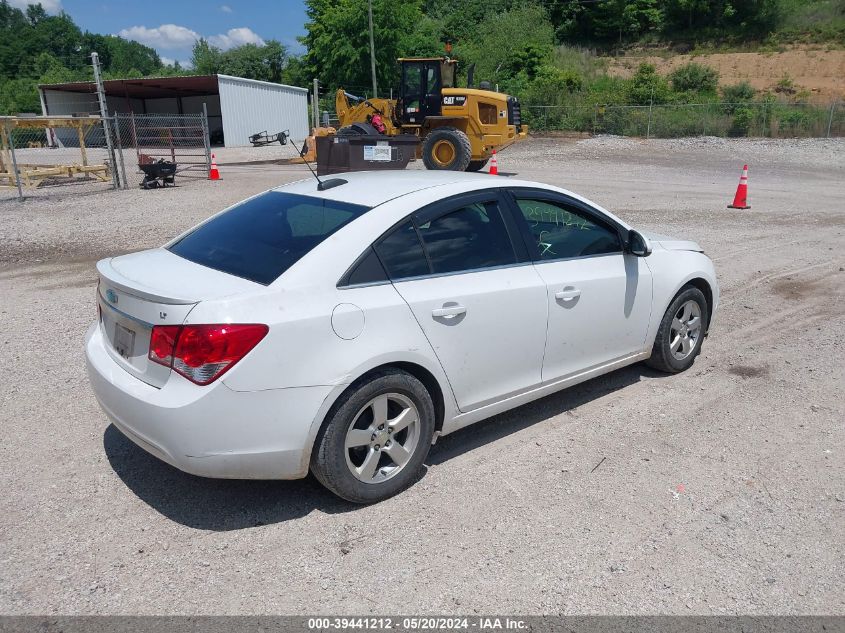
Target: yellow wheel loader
{"type": "Point", "coordinates": [459, 127]}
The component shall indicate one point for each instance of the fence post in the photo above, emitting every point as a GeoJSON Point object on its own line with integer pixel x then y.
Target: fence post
{"type": "Point", "coordinates": [172, 148]}
{"type": "Point", "coordinates": [104, 116]}
{"type": "Point", "coordinates": [206, 138]}
{"type": "Point", "coordinates": [11, 140]}
{"type": "Point", "coordinates": [315, 105]}
{"type": "Point", "coordinates": [135, 136]}
{"type": "Point", "coordinates": [120, 150]}
{"type": "Point", "coordinates": [650, 105]}
{"type": "Point", "coordinates": [830, 118]}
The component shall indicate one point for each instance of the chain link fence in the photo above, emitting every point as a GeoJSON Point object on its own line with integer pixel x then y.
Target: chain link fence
{"type": "Point", "coordinates": [182, 139]}
{"type": "Point", "coordinates": [38, 155]}
{"type": "Point", "coordinates": [766, 119]}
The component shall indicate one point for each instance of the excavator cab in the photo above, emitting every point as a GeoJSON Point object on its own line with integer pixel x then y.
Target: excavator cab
{"type": "Point", "coordinates": [420, 94]}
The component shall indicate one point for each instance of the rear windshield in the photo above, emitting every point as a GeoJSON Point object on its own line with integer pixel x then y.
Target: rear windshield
{"type": "Point", "coordinates": [264, 236]}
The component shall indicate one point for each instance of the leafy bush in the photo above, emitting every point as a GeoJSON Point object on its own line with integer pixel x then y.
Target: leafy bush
{"type": "Point", "coordinates": [794, 121]}
{"type": "Point", "coordinates": [646, 86]}
{"type": "Point", "coordinates": [738, 93]}
{"type": "Point", "coordinates": [743, 118]}
{"type": "Point", "coordinates": [735, 95]}
{"type": "Point", "coordinates": [554, 81]}
{"type": "Point", "coordinates": [694, 77]}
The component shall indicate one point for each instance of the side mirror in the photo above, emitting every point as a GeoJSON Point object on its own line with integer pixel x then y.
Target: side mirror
{"type": "Point", "coordinates": [638, 244]}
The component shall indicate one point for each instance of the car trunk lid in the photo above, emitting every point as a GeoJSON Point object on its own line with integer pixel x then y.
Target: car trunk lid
{"type": "Point", "coordinates": [141, 290]}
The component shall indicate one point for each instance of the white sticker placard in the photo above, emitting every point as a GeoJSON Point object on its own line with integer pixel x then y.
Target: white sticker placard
{"type": "Point", "coordinates": [377, 152]}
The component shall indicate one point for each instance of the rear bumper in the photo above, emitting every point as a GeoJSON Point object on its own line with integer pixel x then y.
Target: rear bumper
{"type": "Point", "coordinates": [499, 141]}
{"type": "Point", "coordinates": [210, 431]}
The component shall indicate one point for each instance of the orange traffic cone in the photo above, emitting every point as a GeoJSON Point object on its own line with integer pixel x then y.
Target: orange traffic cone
{"type": "Point", "coordinates": [741, 197]}
{"type": "Point", "coordinates": [213, 173]}
{"type": "Point", "coordinates": [494, 165]}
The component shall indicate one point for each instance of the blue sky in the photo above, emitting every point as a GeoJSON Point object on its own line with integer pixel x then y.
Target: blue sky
{"type": "Point", "coordinates": [172, 26]}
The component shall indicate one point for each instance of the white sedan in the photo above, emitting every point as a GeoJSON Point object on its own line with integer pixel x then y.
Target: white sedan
{"type": "Point", "coordinates": [341, 328]}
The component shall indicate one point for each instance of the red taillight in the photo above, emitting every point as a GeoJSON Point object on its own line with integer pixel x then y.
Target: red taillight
{"type": "Point", "coordinates": [203, 353]}
{"type": "Point", "coordinates": [162, 342]}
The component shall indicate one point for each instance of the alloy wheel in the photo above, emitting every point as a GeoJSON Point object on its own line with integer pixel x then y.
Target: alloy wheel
{"type": "Point", "coordinates": [685, 330]}
{"type": "Point", "coordinates": [382, 438]}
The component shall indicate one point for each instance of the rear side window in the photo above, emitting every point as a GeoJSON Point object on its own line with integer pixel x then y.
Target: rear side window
{"type": "Point", "coordinates": [471, 237]}
{"type": "Point", "coordinates": [264, 236]}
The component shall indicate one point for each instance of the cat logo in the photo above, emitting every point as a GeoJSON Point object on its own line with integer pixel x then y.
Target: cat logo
{"type": "Point", "coordinates": [454, 100]}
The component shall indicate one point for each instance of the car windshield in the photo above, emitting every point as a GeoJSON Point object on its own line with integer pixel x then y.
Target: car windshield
{"type": "Point", "coordinates": [262, 237]}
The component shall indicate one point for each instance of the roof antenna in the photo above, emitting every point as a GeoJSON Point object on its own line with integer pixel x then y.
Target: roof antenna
{"type": "Point", "coordinates": [322, 185]}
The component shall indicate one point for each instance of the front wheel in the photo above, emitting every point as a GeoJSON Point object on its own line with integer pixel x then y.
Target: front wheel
{"type": "Point", "coordinates": [477, 165]}
{"type": "Point", "coordinates": [681, 332]}
{"type": "Point", "coordinates": [376, 439]}
{"type": "Point", "coordinates": [446, 148]}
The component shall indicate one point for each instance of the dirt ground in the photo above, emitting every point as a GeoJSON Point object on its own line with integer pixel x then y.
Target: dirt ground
{"type": "Point", "coordinates": [717, 491]}
{"type": "Point", "coordinates": [820, 72]}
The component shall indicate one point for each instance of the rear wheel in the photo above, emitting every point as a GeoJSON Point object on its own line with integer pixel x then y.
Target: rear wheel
{"type": "Point", "coordinates": [681, 332]}
{"type": "Point", "coordinates": [477, 165]}
{"type": "Point", "coordinates": [446, 148]}
{"type": "Point", "coordinates": [375, 441]}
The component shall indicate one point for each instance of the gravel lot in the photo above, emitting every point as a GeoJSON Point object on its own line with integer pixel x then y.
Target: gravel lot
{"type": "Point", "coordinates": [722, 490]}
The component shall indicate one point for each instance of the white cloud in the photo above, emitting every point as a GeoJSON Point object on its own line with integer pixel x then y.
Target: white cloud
{"type": "Point", "coordinates": [50, 6]}
{"type": "Point", "coordinates": [166, 36]}
{"type": "Point", "coordinates": [173, 36]}
{"type": "Point", "coordinates": [235, 37]}
{"type": "Point", "coordinates": [225, 8]}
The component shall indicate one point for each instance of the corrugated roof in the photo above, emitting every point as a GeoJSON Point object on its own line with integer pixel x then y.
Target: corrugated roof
{"type": "Point", "coordinates": [269, 84]}
{"type": "Point", "coordinates": [156, 87]}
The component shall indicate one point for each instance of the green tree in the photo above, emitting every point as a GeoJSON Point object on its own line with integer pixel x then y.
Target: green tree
{"type": "Point", "coordinates": [509, 42]}
{"type": "Point", "coordinates": [19, 95]}
{"type": "Point", "coordinates": [265, 62]}
{"type": "Point", "coordinates": [294, 73]}
{"type": "Point", "coordinates": [338, 43]}
{"type": "Point", "coordinates": [205, 58]}
{"type": "Point", "coordinates": [119, 56]}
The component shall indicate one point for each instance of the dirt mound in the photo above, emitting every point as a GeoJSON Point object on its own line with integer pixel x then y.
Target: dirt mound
{"type": "Point", "coordinates": [820, 72]}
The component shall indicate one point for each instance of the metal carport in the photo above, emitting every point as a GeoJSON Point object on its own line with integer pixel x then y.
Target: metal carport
{"type": "Point", "coordinates": [236, 107]}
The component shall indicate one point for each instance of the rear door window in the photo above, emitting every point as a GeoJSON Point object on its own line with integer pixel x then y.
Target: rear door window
{"type": "Point", "coordinates": [261, 238]}
{"type": "Point", "coordinates": [469, 238]}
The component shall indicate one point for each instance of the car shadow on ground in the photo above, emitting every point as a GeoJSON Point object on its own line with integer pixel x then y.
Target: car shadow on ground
{"type": "Point", "coordinates": [515, 420]}
{"type": "Point", "coordinates": [222, 504]}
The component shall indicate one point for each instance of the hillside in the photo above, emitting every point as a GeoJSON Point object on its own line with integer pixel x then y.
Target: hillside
{"type": "Point", "coordinates": [816, 75]}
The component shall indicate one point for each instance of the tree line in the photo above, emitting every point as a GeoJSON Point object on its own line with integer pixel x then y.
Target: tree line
{"type": "Point", "coordinates": [532, 48]}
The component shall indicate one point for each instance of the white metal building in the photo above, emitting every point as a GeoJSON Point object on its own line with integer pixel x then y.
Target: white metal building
{"type": "Point", "coordinates": [236, 107]}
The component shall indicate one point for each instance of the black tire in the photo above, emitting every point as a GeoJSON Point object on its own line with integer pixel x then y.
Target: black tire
{"type": "Point", "coordinates": [461, 149]}
{"type": "Point", "coordinates": [662, 357]}
{"type": "Point", "coordinates": [477, 165]}
{"type": "Point", "coordinates": [329, 458]}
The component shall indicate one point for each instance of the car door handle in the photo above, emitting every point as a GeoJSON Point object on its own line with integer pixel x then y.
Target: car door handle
{"type": "Point", "coordinates": [449, 311]}
{"type": "Point", "coordinates": [568, 294]}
